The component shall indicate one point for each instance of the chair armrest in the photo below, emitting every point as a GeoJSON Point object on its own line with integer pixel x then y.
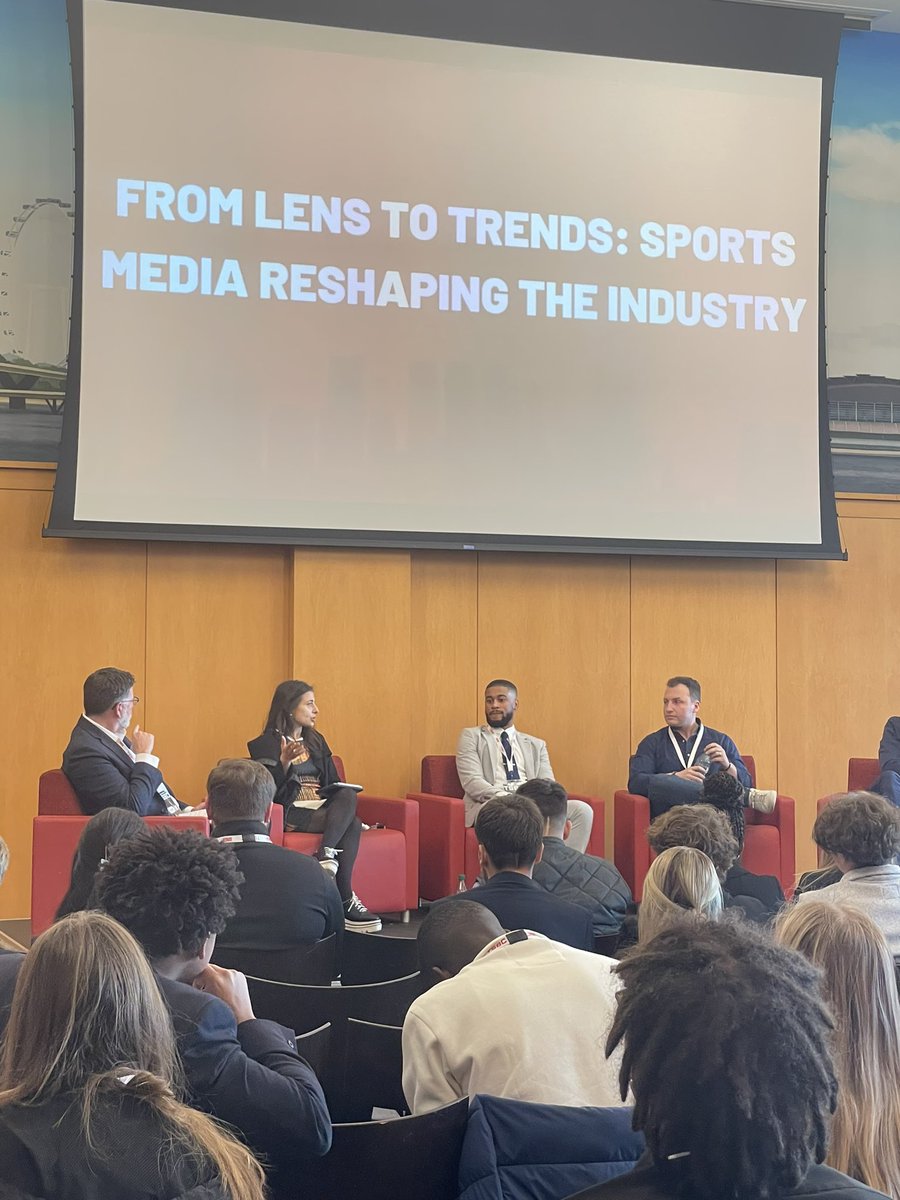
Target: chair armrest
{"type": "Point", "coordinates": [597, 840]}
{"type": "Point", "coordinates": [442, 843]}
{"type": "Point", "coordinates": [403, 816]}
{"type": "Point", "coordinates": [631, 848]}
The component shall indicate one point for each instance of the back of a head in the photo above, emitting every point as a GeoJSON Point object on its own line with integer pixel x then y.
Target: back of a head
{"type": "Point", "coordinates": [239, 790]}
{"type": "Point", "coordinates": [171, 888]}
{"type": "Point", "coordinates": [511, 830]}
{"type": "Point", "coordinates": [551, 799]}
{"type": "Point", "coordinates": [452, 935]}
{"type": "Point", "coordinates": [726, 1051]}
{"type": "Point", "coordinates": [104, 688]}
{"type": "Point", "coordinates": [725, 793]}
{"type": "Point", "coordinates": [102, 832]}
{"type": "Point", "coordinates": [860, 826]}
{"type": "Point", "coordinates": [699, 826]}
{"type": "Point", "coordinates": [680, 880]}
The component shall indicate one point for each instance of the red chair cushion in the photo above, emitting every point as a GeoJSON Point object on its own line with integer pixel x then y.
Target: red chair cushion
{"type": "Point", "coordinates": [439, 776]}
{"type": "Point", "coordinates": [861, 774]}
{"type": "Point", "coordinates": [56, 796]}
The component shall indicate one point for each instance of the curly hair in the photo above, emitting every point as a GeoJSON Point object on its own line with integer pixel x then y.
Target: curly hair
{"type": "Point", "coordinates": [699, 826]}
{"type": "Point", "coordinates": [726, 1051]}
{"type": "Point", "coordinates": [860, 826]}
{"type": "Point", "coordinates": [726, 793]}
{"type": "Point", "coordinates": [170, 888]}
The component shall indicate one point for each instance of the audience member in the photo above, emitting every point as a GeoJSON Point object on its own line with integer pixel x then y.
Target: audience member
{"type": "Point", "coordinates": [88, 1106]}
{"type": "Point", "coordinates": [728, 796]}
{"type": "Point", "coordinates": [494, 759]}
{"type": "Point", "coordinates": [582, 879]}
{"type": "Point", "coordinates": [510, 833]}
{"type": "Point", "coordinates": [861, 989]}
{"type": "Point", "coordinates": [726, 1040]}
{"type": "Point", "coordinates": [175, 890]}
{"type": "Point", "coordinates": [888, 782]}
{"type": "Point", "coordinates": [680, 880]}
{"type": "Point", "coordinates": [106, 769]}
{"type": "Point", "coordinates": [861, 832]}
{"type": "Point", "coordinates": [7, 944]}
{"type": "Point", "coordinates": [701, 827]}
{"type": "Point", "coordinates": [286, 900]}
{"type": "Point", "coordinates": [98, 837]}
{"type": "Point", "coordinates": [670, 765]}
{"type": "Point", "coordinates": [516, 1015]}
{"type": "Point", "coordinates": [309, 789]}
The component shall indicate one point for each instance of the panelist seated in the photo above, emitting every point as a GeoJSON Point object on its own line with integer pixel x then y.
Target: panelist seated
{"type": "Point", "coordinates": [299, 760]}
{"type": "Point", "coordinates": [495, 759]}
{"type": "Point", "coordinates": [105, 768]}
{"type": "Point", "coordinates": [669, 766]}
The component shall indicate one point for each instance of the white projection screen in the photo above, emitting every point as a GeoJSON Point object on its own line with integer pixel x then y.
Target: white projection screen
{"type": "Point", "coordinates": [516, 281]}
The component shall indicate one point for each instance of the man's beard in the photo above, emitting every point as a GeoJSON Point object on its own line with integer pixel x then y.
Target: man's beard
{"type": "Point", "coordinates": [499, 722]}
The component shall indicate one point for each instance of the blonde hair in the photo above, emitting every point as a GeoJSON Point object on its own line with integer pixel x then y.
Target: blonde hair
{"type": "Point", "coordinates": [861, 989]}
{"type": "Point", "coordinates": [680, 880]}
{"type": "Point", "coordinates": [86, 1012]}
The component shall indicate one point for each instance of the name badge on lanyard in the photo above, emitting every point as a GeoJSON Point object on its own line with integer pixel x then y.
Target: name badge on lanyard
{"type": "Point", "coordinates": [674, 740]}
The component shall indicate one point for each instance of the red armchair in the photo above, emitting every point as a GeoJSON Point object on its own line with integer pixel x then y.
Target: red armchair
{"type": "Point", "coordinates": [53, 847]}
{"type": "Point", "coordinates": [861, 774]}
{"type": "Point", "coordinates": [768, 838]}
{"type": "Point", "coordinates": [56, 796]}
{"type": "Point", "coordinates": [386, 874]}
{"type": "Point", "coordinates": [446, 848]}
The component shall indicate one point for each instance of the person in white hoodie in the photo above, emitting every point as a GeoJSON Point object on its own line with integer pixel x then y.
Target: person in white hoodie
{"type": "Point", "coordinates": [510, 1014]}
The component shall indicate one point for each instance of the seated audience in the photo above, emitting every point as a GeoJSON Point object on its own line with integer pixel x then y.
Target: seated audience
{"type": "Point", "coordinates": [861, 832]}
{"type": "Point", "coordinates": [727, 795]}
{"type": "Point", "coordinates": [101, 833]}
{"type": "Point", "coordinates": [861, 989]}
{"type": "Point", "coordinates": [726, 1040]}
{"type": "Point", "coordinates": [286, 899]}
{"type": "Point", "coordinates": [106, 769]}
{"type": "Point", "coordinates": [582, 879]}
{"type": "Point", "coordinates": [510, 832]}
{"type": "Point", "coordinates": [7, 944]}
{"type": "Point", "coordinates": [700, 826]}
{"type": "Point", "coordinates": [514, 1015]}
{"type": "Point", "coordinates": [300, 762]}
{"type": "Point", "coordinates": [494, 759]}
{"type": "Point", "coordinates": [88, 1102]}
{"type": "Point", "coordinates": [680, 880]}
{"type": "Point", "coordinates": [175, 890]}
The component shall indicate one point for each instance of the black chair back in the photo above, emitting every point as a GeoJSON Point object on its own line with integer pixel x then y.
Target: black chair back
{"type": "Point", "coordinates": [606, 943]}
{"type": "Point", "coordinates": [369, 1072]}
{"type": "Point", "coordinates": [410, 1158]}
{"type": "Point", "coordinates": [301, 1007]}
{"type": "Point", "coordinates": [376, 959]}
{"type": "Point", "coordinates": [313, 964]}
{"type": "Point", "coordinates": [314, 1047]}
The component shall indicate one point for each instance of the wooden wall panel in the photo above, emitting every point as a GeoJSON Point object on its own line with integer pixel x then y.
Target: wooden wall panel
{"type": "Point", "coordinates": [557, 626]}
{"type": "Point", "coordinates": [715, 620]}
{"type": "Point", "coordinates": [217, 643]}
{"type": "Point", "coordinates": [351, 640]}
{"type": "Point", "coordinates": [68, 608]}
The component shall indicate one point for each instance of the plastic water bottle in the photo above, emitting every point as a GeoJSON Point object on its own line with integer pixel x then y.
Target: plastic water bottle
{"type": "Point", "coordinates": [461, 884]}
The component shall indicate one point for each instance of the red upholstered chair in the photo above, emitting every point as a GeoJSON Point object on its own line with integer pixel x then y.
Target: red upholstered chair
{"type": "Point", "coordinates": [861, 774]}
{"type": "Point", "coordinates": [53, 847]}
{"type": "Point", "coordinates": [56, 796]}
{"type": "Point", "coordinates": [768, 838]}
{"type": "Point", "coordinates": [446, 848]}
{"type": "Point", "coordinates": [386, 875]}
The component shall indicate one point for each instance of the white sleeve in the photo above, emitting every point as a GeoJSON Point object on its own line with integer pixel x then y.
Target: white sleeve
{"type": "Point", "coordinates": [427, 1081]}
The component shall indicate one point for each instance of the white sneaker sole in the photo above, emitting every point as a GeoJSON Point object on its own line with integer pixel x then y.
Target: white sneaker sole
{"type": "Point", "coordinates": [372, 925]}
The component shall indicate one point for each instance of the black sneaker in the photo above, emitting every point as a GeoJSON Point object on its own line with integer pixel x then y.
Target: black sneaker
{"type": "Point", "coordinates": [358, 917]}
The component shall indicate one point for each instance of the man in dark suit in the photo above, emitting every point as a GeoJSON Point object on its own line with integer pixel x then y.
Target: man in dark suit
{"type": "Point", "coordinates": [106, 769]}
{"type": "Point", "coordinates": [287, 899]}
{"type": "Point", "coordinates": [510, 832]}
{"type": "Point", "coordinates": [174, 890]}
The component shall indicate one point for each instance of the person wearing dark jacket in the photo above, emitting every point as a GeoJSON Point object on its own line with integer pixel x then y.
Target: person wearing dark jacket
{"type": "Point", "coordinates": [88, 1106]}
{"type": "Point", "coordinates": [308, 788]}
{"type": "Point", "coordinates": [510, 832]}
{"type": "Point", "coordinates": [286, 899]}
{"type": "Point", "coordinates": [727, 1052]}
{"type": "Point", "coordinates": [582, 879]}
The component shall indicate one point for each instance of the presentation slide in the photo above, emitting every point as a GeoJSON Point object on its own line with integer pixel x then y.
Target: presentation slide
{"type": "Point", "coordinates": [338, 280]}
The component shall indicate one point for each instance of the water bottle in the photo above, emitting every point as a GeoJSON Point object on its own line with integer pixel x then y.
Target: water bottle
{"type": "Point", "coordinates": [703, 762]}
{"type": "Point", "coordinates": [461, 884]}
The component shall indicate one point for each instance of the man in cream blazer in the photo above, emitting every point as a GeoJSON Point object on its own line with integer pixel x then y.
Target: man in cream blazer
{"type": "Point", "coordinates": [494, 759]}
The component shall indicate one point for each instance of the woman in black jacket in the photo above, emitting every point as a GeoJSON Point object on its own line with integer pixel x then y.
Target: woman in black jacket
{"type": "Point", "coordinates": [308, 787]}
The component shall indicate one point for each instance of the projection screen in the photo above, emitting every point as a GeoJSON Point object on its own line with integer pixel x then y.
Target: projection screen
{"type": "Point", "coordinates": [412, 286]}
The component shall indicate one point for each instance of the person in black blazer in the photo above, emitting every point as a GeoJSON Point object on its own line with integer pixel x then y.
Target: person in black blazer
{"type": "Point", "coordinates": [300, 762]}
{"type": "Point", "coordinates": [510, 832]}
{"type": "Point", "coordinates": [286, 899]}
{"type": "Point", "coordinates": [105, 769]}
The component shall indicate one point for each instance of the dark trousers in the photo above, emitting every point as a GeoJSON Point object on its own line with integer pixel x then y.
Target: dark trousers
{"type": "Point", "coordinates": [888, 785]}
{"type": "Point", "coordinates": [667, 791]}
{"type": "Point", "coordinates": [340, 828]}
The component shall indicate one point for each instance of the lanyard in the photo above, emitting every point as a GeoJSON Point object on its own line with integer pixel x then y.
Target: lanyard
{"type": "Point", "coordinates": [674, 740]}
{"type": "Point", "coordinates": [230, 838]}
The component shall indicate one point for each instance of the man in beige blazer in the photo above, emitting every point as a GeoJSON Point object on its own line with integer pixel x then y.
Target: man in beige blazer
{"type": "Point", "coordinates": [494, 759]}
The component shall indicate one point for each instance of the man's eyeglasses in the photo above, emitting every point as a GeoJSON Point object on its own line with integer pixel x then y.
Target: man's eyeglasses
{"type": "Point", "coordinates": [130, 700]}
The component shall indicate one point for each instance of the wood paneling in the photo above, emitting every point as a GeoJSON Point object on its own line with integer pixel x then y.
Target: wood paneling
{"type": "Point", "coordinates": [217, 643]}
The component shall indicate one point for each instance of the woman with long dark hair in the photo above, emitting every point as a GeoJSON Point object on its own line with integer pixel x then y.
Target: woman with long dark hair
{"type": "Point", "coordinates": [300, 761]}
{"type": "Point", "coordinates": [89, 1105]}
{"type": "Point", "coordinates": [97, 838]}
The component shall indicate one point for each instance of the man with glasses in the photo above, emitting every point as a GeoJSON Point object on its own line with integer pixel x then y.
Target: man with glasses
{"type": "Point", "coordinates": [107, 769]}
